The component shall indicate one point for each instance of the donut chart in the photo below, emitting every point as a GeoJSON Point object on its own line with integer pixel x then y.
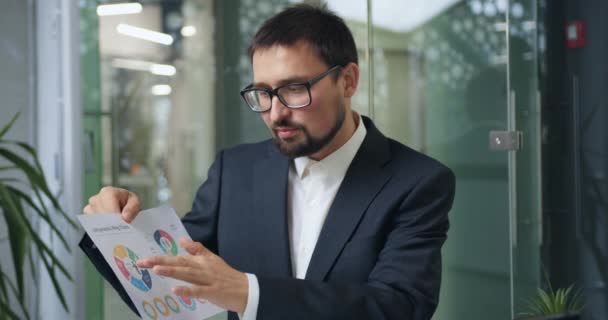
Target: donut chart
{"type": "Point", "coordinates": [161, 306]}
{"type": "Point", "coordinates": [165, 242]}
{"type": "Point", "coordinates": [171, 303]}
{"type": "Point", "coordinates": [149, 310]}
{"type": "Point", "coordinates": [188, 303]}
{"type": "Point", "coordinates": [166, 307]}
{"type": "Point", "coordinates": [125, 260]}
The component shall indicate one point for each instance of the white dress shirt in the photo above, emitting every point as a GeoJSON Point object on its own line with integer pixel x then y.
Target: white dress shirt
{"type": "Point", "coordinates": [312, 188]}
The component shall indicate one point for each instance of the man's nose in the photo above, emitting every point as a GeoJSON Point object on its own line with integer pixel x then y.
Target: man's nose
{"type": "Point", "coordinates": [278, 111]}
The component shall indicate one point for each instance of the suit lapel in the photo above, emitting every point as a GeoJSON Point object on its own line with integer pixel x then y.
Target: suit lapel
{"type": "Point", "coordinates": [363, 180]}
{"type": "Point", "coordinates": [270, 202]}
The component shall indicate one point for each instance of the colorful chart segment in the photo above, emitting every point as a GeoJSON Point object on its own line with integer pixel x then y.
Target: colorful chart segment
{"type": "Point", "coordinates": [165, 242]}
{"type": "Point", "coordinates": [188, 303]}
{"type": "Point", "coordinates": [125, 260]}
{"type": "Point", "coordinates": [166, 305]}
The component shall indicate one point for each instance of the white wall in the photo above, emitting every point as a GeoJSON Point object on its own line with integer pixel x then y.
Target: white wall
{"type": "Point", "coordinates": [50, 120]}
{"type": "Point", "coordinates": [15, 67]}
{"type": "Point", "coordinates": [16, 92]}
{"type": "Point", "coordinates": [38, 77]}
{"type": "Point", "coordinates": [59, 135]}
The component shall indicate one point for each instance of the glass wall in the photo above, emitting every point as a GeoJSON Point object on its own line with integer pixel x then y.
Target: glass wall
{"type": "Point", "coordinates": [442, 69]}
{"type": "Point", "coordinates": [156, 112]}
{"type": "Point", "coordinates": [444, 74]}
{"type": "Point", "coordinates": [435, 75]}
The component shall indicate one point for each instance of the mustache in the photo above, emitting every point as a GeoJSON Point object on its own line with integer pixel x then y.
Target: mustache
{"type": "Point", "coordinates": [286, 124]}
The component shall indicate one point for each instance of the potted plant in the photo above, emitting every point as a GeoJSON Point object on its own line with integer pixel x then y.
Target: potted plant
{"type": "Point", "coordinates": [563, 304]}
{"type": "Point", "coordinates": [24, 196]}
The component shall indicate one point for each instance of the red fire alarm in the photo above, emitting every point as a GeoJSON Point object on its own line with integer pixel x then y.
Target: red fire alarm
{"type": "Point", "coordinates": [575, 34]}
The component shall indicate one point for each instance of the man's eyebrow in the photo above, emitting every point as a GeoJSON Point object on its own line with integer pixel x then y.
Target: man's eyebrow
{"type": "Point", "coordinates": [281, 82]}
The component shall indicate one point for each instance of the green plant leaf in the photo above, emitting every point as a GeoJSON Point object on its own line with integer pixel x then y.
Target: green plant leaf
{"type": "Point", "coordinates": [576, 303]}
{"type": "Point", "coordinates": [36, 179]}
{"type": "Point", "coordinates": [33, 268]}
{"type": "Point", "coordinates": [44, 215]}
{"type": "Point", "coordinates": [559, 301]}
{"type": "Point", "coordinates": [545, 300]}
{"type": "Point", "coordinates": [567, 293]}
{"type": "Point", "coordinates": [29, 149]}
{"type": "Point", "coordinates": [5, 310]}
{"type": "Point", "coordinates": [17, 233]}
{"type": "Point", "coordinates": [43, 248]}
{"type": "Point", "coordinates": [33, 172]}
{"type": "Point", "coordinates": [9, 124]}
{"type": "Point", "coordinates": [563, 300]}
{"type": "Point", "coordinates": [22, 164]}
{"type": "Point", "coordinates": [46, 251]}
{"type": "Point", "coordinates": [14, 289]}
{"type": "Point", "coordinates": [535, 306]}
{"type": "Point", "coordinates": [3, 291]}
{"type": "Point", "coordinates": [21, 231]}
{"type": "Point", "coordinates": [51, 271]}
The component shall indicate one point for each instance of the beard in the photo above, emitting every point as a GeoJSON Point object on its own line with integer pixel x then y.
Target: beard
{"type": "Point", "coordinates": [292, 149]}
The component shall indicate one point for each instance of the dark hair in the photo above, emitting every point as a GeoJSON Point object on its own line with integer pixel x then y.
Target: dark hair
{"type": "Point", "coordinates": [323, 29]}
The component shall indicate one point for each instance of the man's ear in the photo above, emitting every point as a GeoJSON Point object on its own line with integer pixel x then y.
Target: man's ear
{"type": "Point", "coordinates": [350, 74]}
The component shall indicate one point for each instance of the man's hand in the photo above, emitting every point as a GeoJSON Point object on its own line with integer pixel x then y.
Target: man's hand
{"type": "Point", "coordinates": [114, 200]}
{"type": "Point", "coordinates": [212, 279]}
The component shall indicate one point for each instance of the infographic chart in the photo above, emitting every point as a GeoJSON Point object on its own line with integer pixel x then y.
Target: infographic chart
{"type": "Point", "coordinates": [155, 232]}
{"type": "Point", "coordinates": [125, 260]}
{"type": "Point", "coordinates": [166, 242]}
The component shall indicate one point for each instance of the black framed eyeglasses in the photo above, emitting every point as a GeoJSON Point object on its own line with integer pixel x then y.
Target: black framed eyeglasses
{"type": "Point", "coordinates": [292, 95]}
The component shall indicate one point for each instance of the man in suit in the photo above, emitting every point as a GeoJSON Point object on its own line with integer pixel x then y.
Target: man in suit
{"type": "Point", "coordinates": [327, 220]}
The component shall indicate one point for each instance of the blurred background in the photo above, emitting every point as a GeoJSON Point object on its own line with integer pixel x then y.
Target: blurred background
{"type": "Point", "coordinates": [507, 93]}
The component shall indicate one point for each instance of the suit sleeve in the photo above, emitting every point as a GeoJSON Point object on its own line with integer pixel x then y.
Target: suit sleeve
{"type": "Point", "coordinates": [404, 283]}
{"type": "Point", "coordinates": [200, 223]}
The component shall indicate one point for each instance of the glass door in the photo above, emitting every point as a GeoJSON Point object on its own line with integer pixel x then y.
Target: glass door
{"type": "Point", "coordinates": [440, 86]}
{"type": "Point", "coordinates": [457, 79]}
{"type": "Point", "coordinates": [525, 163]}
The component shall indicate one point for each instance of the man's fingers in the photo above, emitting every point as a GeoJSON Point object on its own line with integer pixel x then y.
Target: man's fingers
{"type": "Point", "coordinates": [191, 291]}
{"type": "Point", "coordinates": [131, 208]}
{"type": "Point", "coordinates": [90, 207]}
{"type": "Point", "coordinates": [110, 199]}
{"type": "Point", "coordinates": [179, 261]}
{"type": "Point", "coordinates": [194, 248]}
{"type": "Point", "coordinates": [187, 274]}
{"type": "Point", "coordinates": [114, 200]}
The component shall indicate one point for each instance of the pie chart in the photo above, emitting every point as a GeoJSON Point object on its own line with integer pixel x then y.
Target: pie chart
{"type": "Point", "coordinates": [125, 260]}
{"type": "Point", "coordinates": [188, 303]}
{"type": "Point", "coordinates": [165, 242]}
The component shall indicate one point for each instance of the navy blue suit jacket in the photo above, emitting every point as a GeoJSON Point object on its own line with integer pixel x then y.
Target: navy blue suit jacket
{"type": "Point", "coordinates": [377, 257]}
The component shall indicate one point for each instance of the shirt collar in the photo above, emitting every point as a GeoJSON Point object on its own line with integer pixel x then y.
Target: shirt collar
{"type": "Point", "coordinates": [337, 162]}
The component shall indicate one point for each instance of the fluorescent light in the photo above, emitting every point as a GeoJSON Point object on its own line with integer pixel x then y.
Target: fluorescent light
{"type": "Point", "coordinates": [188, 31]}
{"type": "Point", "coordinates": [140, 65]}
{"type": "Point", "coordinates": [161, 90]}
{"type": "Point", "coordinates": [118, 9]}
{"type": "Point", "coordinates": [162, 69]}
{"type": "Point", "coordinates": [144, 34]}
